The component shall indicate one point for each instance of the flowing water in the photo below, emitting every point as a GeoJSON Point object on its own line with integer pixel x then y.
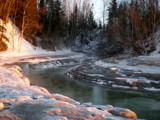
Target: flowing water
{"type": "Point", "coordinates": [145, 104]}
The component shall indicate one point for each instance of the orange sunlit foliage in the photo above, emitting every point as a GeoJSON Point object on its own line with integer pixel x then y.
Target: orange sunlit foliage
{"type": "Point", "coordinates": [24, 13]}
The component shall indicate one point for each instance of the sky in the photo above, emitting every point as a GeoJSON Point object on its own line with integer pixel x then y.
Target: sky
{"type": "Point", "coordinates": [98, 8]}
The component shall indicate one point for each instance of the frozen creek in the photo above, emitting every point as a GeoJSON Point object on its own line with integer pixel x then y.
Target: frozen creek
{"type": "Point", "coordinates": [22, 101]}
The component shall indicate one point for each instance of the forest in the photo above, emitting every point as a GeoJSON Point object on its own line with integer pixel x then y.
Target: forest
{"type": "Point", "coordinates": [130, 26]}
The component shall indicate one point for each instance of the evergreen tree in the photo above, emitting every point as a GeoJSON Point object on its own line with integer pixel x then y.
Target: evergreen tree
{"type": "Point", "coordinates": [82, 22]}
{"type": "Point", "coordinates": [100, 25]}
{"type": "Point", "coordinates": [42, 11]}
{"type": "Point", "coordinates": [53, 22]}
{"type": "Point", "coordinates": [74, 22]}
{"type": "Point", "coordinates": [91, 22]}
{"type": "Point", "coordinates": [112, 12]}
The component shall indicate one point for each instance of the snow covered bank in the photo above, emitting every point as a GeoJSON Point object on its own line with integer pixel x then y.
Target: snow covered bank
{"type": "Point", "coordinates": [125, 72]}
{"type": "Point", "coordinates": [136, 70]}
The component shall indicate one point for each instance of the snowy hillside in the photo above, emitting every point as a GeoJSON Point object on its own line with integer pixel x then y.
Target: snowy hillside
{"type": "Point", "coordinates": [157, 38]}
{"type": "Point", "coordinates": [18, 46]}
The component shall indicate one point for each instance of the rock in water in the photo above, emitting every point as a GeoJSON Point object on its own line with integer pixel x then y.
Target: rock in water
{"type": "Point", "coordinates": [123, 112]}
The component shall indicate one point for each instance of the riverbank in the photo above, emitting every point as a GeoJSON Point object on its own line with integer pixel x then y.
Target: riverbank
{"type": "Point", "coordinates": [22, 101]}
{"type": "Point", "coordinates": [128, 72]}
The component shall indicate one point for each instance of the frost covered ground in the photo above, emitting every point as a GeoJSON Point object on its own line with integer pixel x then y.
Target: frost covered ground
{"type": "Point", "coordinates": [21, 101]}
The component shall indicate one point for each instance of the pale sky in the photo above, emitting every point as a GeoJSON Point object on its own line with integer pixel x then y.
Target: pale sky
{"type": "Point", "coordinates": [98, 8]}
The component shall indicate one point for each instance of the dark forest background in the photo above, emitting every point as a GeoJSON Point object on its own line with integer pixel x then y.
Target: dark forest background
{"type": "Point", "coordinates": [130, 25]}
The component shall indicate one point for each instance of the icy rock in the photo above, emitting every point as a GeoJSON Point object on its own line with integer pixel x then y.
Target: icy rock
{"type": "Point", "coordinates": [6, 115]}
{"type": "Point", "coordinates": [1, 106]}
{"type": "Point", "coordinates": [54, 118]}
{"type": "Point", "coordinates": [22, 98]}
{"type": "Point", "coordinates": [26, 80]}
{"type": "Point", "coordinates": [63, 98]}
{"type": "Point", "coordinates": [97, 111]}
{"type": "Point", "coordinates": [113, 69]}
{"type": "Point", "coordinates": [53, 111]}
{"type": "Point", "coordinates": [18, 99]}
{"type": "Point", "coordinates": [63, 104]}
{"type": "Point", "coordinates": [79, 113]}
{"type": "Point", "coordinates": [37, 96]}
{"type": "Point", "coordinates": [40, 109]}
{"type": "Point", "coordinates": [123, 112]}
{"type": "Point", "coordinates": [87, 104]}
{"type": "Point", "coordinates": [104, 108]}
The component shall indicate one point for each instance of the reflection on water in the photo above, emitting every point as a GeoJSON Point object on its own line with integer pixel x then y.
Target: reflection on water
{"type": "Point", "coordinates": [146, 105]}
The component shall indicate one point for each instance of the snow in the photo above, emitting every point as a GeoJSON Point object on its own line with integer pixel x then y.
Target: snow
{"type": "Point", "coordinates": [152, 89]}
{"type": "Point", "coordinates": [114, 69]}
{"type": "Point", "coordinates": [124, 65]}
{"type": "Point", "coordinates": [100, 82]}
{"type": "Point", "coordinates": [126, 87]}
{"type": "Point", "coordinates": [27, 50]}
{"type": "Point", "coordinates": [139, 79]}
{"type": "Point", "coordinates": [96, 75]}
{"type": "Point", "coordinates": [157, 38]}
{"type": "Point", "coordinates": [87, 41]}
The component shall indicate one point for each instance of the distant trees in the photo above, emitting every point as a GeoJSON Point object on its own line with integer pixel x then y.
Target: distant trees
{"type": "Point", "coordinates": [73, 22]}
{"type": "Point", "coordinates": [52, 16]}
{"type": "Point", "coordinates": [91, 21]}
{"type": "Point", "coordinates": [131, 24]}
{"type": "Point", "coordinates": [112, 12]}
{"type": "Point", "coordinates": [59, 21]}
{"type": "Point", "coordinates": [81, 19]}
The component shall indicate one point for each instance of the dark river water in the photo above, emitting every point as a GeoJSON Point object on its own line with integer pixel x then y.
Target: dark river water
{"type": "Point", "coordinates": [145, 104]}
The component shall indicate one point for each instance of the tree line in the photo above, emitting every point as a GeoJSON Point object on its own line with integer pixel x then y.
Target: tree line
{"type": "Point", "coordinates": [133, 24]}
{"type": "Point", "coordinates": [47, 18]}
{"type": "Point", "coordinates": [130, 25]}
